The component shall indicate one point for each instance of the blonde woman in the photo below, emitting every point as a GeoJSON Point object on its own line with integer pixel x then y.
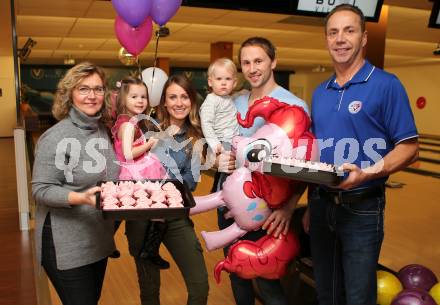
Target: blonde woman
{"type": "Point", "coordinates": [73, 240]}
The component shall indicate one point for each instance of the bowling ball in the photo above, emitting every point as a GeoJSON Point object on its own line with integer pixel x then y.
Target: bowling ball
{"type": "Point", "coordinates": [417, 276]}
{"type": "Point", "coordinates": [413, 296]}
{"type": "Point", "coordinates": [388, 286]}
{"type": "Point", "coordinates": [435, 292]}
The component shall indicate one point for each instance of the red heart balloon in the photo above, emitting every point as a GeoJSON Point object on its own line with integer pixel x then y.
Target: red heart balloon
{"type": "Point", "coordinates": [268, 257]}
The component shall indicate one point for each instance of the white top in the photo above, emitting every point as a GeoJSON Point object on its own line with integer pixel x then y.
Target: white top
{"type": "Point", "coordinates": [218, 116]}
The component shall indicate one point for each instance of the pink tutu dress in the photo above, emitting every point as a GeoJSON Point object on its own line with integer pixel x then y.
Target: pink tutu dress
{"type": "Point", "coordinates": [146, 166]}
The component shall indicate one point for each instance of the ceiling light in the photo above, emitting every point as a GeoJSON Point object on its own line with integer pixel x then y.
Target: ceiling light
{"type": "Point", "coordinates": [69, 61]}
{"type": "Point", "coordinates": [319, 69]}
{"type": "Point", "coordinates": [437, 50]}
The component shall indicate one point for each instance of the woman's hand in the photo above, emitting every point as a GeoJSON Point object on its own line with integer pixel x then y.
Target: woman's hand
{"type": "Point", "coordinates": [88, 197]}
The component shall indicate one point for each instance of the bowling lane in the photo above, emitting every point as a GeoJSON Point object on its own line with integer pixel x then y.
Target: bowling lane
{"type": "Point", "coordinates": [412, 223]}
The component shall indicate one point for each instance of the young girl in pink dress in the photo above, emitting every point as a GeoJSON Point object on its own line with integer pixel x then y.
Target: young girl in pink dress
{"type": "Point", "coordinates": [133, 152]}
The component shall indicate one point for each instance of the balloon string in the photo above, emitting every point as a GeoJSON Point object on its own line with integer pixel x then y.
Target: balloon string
{"type": "Point", "coordinates": [155, 57]}
{"type": "Point", "coordinates": [138, 63]}
{"type": "Point", "coordinates": [157, 46]}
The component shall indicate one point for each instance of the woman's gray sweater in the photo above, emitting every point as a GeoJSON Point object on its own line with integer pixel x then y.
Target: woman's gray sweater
{"type": "Point", "coordinates": [73, 155]}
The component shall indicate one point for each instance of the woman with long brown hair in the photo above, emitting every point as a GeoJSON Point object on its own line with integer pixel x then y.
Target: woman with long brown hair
{"type": "Point", "coordinates": [180, 154]}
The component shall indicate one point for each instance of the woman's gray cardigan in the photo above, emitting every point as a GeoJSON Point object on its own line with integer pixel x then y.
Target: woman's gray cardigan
{"type": "Point", "coordinates": [73, 155]}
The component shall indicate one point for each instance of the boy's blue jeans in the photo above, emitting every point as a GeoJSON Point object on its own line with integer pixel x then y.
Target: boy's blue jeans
{"type": "Point", "coordinates": [345, 242]}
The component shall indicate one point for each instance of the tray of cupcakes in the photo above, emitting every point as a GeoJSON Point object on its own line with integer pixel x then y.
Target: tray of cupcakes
{"type": "Point", "coordinates": [307, 171]}
{"type": "Point", "coordinates": [144, 199]}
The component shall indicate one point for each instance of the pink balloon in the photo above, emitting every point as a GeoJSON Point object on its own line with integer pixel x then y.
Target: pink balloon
{"type": "Point", "coordinates": [250, 194]}
{"type": "Point", "coordinates": [268, 257]}
{"type": "Point", "coordinates": [133, 39]}
{"type": "Point", "coordinates": [249, 213]}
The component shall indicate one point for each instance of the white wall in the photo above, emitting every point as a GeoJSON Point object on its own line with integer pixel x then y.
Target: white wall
{"type": "Point", "coordinates": [422, 81]}
{"type": "Point", "coordinates": [303, 84]}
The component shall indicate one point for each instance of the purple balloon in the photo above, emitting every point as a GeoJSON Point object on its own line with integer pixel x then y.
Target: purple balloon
{"type": "Point", "coordinates": [413, 296]}
{"type": "Point", "coordinates": [164, 10]}
{"type": "Point", "coordinates": [134, 12]}
{"type": "Point", "coordinates": [134, 40]}
{"type": "Point", "coordinates": [417, 276]}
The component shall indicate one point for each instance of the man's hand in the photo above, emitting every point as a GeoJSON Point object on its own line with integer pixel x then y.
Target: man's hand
{"type": "Point", "coordinates": [225, 162]}
{"type": "Point", "coordinates": [355, 177]}
{"type": "Point", "coordinates": [279, 221]}
{"type": "Point", "coordinates": [400, 157]}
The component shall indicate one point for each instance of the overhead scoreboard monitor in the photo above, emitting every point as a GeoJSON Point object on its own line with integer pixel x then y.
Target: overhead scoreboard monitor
{"type": "Point", "coordinates": [434, 20]}
{"type": "Point", "coordinates": [370, 8]}
{"type": "Point", "coordinates": [318, 8]}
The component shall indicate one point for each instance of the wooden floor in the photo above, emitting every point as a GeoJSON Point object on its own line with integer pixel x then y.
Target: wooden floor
{"type": "Point", "coordinates": [16, 265]}
{"type": "Point", "coordinates": [412, 223]}
{"type": "Point", "coordinates": [411, 236]}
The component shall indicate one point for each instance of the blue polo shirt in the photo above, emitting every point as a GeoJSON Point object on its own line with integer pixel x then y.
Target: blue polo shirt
{"type": "Point", "coordinates": [363, 120]}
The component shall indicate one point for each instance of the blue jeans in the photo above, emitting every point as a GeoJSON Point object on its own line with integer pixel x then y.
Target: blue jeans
{"type": "Point", "coordinates": [345, 241]}
{"type": "Point", "coordinates": [271, 291]}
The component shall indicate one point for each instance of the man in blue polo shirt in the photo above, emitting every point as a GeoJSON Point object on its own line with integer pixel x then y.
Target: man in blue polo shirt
{"type": "Point", "coordinates": [364, 124]}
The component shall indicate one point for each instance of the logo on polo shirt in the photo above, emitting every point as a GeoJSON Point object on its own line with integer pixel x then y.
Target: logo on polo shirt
{"type": "Point", "coordinates": [355, 107]}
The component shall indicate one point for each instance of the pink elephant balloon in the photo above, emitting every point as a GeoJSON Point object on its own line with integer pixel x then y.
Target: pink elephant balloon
{"type": "Point", "coordinates": [251, 195]}
{"type": "Point", "coordinates": [249, 213]}
{"type": "Point", "coordinates": [133, 39]}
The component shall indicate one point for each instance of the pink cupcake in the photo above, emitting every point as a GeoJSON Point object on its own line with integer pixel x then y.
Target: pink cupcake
{"type": "Point", "coordinates": [125, 192]}
{"type": "Point", "coordinates": [158, 205]}
{"type": "Point", "coordinates": [174, 201]}
{"type": "Point", "coordinates": [127, 207]}
{"type": "Point", "coordinates": [111, 207]}
{"type": "Point", "coordinates": [140, 193]}
{"type": "Point", "coordinates": [152, 186]}
{"type": "Point", "coordinates": [158, 196]}
{"type": "Point", "coordinates": [176, 205]}
{"type": "Point", "coordinates": [127, 201]}
{"type": "Point", "coordinates": [169, 186]}
{"type": "Point", "coordinates": [143, 201]}
{"type": "Point", "coordinates": [110, 201]}
{"type": "Point", "coordinates": [173, 194]}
